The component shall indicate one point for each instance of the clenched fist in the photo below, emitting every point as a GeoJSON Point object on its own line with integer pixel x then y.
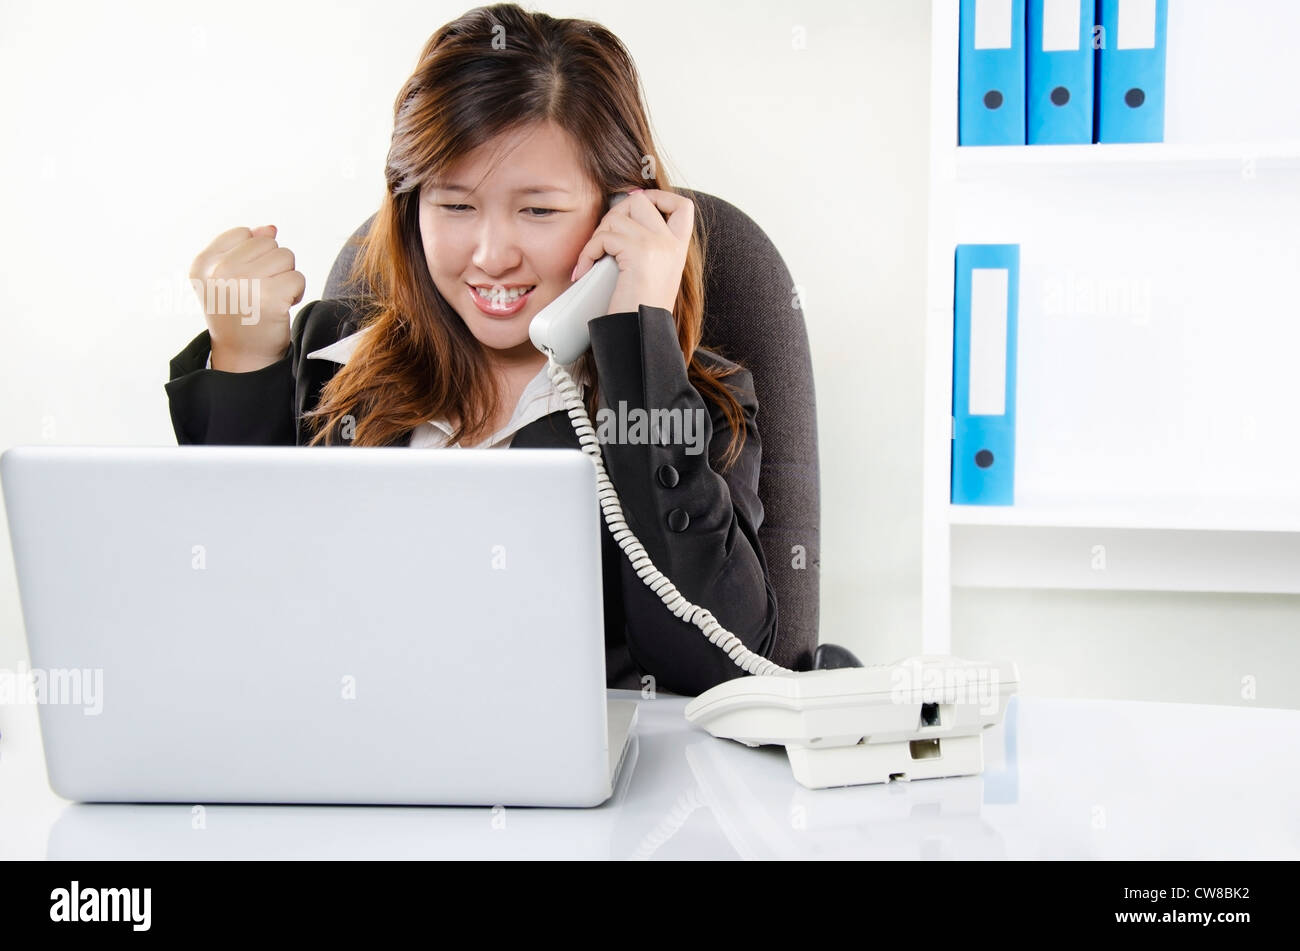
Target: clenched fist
{"type": "Point", "coordinates": [247, 283]}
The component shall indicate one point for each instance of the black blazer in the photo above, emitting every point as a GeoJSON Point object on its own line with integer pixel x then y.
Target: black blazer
{"type": "Point", "coordinates": [699, 528]}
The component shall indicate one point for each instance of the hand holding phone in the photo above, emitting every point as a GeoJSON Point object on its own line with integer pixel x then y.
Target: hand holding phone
{"type": "Point", "coordinates": [641, 258]}
{"type": "Point", "coordinates": [561, 326]}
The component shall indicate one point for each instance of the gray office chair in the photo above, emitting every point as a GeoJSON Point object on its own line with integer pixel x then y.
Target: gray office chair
{"type": "Point", "coordinates": [751, 317]}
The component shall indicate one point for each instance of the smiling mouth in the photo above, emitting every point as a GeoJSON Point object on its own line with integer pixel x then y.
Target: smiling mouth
{"type": "Point", "coordinates": [497, 301]}
{"type": "Point", "coordinates": [497, 292]}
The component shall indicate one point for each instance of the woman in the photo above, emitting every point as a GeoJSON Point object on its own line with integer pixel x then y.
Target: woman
{"type": "Point", "coordinates": [508, 140]}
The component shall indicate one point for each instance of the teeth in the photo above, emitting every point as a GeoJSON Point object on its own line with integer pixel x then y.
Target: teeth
{"type": "Point", "coordinates": [498, 296]}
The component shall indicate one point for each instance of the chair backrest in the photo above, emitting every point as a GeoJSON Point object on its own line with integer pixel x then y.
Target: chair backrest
{"type": "Point", "coordinates": [752, 315]}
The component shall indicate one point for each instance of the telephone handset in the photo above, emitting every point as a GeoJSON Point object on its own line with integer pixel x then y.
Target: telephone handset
{"type": "Point", "coordinates": [840, 727]}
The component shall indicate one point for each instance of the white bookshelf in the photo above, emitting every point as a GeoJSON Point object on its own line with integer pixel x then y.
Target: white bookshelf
{"type": "Point", "coordinates": [1158, 429]}
{"type": "Point", "coordinates": [1011, 162]}
{"type": "Point", "coordinates": [1150, 514]}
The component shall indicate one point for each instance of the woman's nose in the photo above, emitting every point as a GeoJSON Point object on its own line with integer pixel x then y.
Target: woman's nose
{"type": "Point", "coordinates": [496, 249]}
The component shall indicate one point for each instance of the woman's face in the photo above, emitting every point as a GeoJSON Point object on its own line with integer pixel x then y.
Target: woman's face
{"type": "Point", "coordinates": [522, 226]}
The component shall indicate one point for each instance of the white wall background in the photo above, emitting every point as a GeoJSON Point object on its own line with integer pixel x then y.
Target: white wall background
{"type": "Point", "coordinates": [136, 132]}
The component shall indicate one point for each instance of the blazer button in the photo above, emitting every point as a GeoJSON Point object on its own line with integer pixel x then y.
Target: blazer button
{"type": "Point", "coordinates": [678, 520]}
{"type": "Point", "coordinates": [667, 476]}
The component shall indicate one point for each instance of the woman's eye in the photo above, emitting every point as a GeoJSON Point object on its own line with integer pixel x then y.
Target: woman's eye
{"type": "Point", "coordinates": [544, 212]}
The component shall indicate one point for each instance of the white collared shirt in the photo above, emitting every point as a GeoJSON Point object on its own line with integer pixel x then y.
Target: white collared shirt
{"type": "Point", "coordinates": [540, 398]}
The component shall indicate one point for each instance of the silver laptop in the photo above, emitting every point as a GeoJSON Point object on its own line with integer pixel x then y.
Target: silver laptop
{"type": "Point", "coordinates": [316, 625]}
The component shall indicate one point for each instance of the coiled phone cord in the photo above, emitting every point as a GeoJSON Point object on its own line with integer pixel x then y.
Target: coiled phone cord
{"type": "Point", "coordinates": [655, 579]}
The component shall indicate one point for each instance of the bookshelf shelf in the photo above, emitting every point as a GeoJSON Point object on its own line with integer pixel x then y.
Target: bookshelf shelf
{"type": "Point", "coordinates": [1000, 162]}
{"type": "Point", "coordinates": [1175, 406]}
{"type": "Point", "coordinates": [1202, 514]}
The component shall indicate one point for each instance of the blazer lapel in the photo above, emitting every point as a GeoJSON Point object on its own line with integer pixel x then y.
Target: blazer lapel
{"type": "Point", "coordinates": [550, 432]}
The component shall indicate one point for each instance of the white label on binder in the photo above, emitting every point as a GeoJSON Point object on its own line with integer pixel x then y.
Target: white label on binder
{"type": "Point", "coordinates": [993, 24]}
{"type": "Point", "coordinates": [1060, 25]}
{"type": "Point", "coordinates": [1137, 25]}
{"type": "Point", "coordinates": [988, 342]}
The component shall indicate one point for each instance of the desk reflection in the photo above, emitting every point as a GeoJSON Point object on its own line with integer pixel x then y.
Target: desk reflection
{"type": "Point", "coordinates": [682, 794]}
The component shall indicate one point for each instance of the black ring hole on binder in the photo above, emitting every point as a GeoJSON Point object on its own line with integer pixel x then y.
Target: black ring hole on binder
{"type": "Point", "coordinates": [1135, 97]}
{"type": "Point", "coordinates": [993, 99]}
{"type": "Point", "coordinates": [983, 458]}
{"type": "Point", "coordinates": [1060, 96]}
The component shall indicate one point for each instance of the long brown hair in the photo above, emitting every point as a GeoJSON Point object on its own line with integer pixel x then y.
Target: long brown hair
{"type": "Point", "coordinates": [493, 70]}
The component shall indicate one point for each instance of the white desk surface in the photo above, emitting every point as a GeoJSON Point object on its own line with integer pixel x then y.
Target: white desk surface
{"type": "Point", "coordinates": [1062, 779]}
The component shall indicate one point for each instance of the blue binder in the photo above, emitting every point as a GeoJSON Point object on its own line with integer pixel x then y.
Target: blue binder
{"type": "Point", "coordinates": [991, 73]}
{"type": "Point", "coordinates": [1058, 81]}
{"type": "Point", "coordinates": [985, 308]}
{"type": "Point", "coordinates": [1131, 71]}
